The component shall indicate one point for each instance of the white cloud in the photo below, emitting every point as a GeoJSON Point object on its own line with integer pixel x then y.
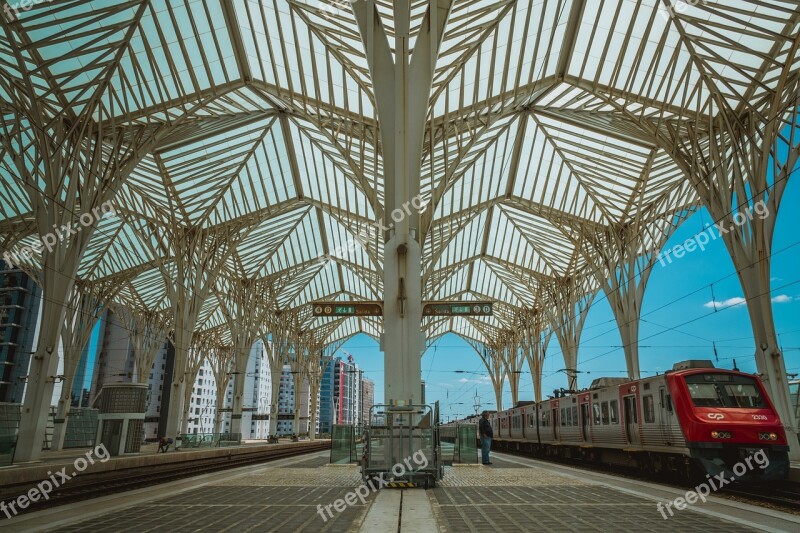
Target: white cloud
{"type": "Point", "coordinates": [730, 302]}
{"type": "Point", "coordinates": [781, 299]}
{"type": "Point", "coordinates": [482, 380]}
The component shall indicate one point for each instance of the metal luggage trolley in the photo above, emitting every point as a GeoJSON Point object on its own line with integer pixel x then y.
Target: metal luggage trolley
{"type": "Point", "coordinates": [395, 434]}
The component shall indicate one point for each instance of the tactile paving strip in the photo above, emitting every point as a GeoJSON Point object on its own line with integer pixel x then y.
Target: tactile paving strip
{"type": "Point", "coordinates": [313, 462]}
{"type": "Point", "coordinates": [559, 509]}
{"type": "Point", "coordinates": [326, 476]}
{"type": "Point", "coordinates": [497, 476]}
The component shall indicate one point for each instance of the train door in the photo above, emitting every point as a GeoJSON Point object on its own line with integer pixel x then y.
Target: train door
{"type": "Point", "coordinates": [585, 421]}
{"type": "Point", "coordinates": [631, 419]}
{"type": "Point", "coordinates": [665, 415]}
{"type": "Point", "coordinates": [554, 419]}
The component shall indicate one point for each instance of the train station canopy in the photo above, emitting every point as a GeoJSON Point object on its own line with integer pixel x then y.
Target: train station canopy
{"type": "Point", "coordinates": [254, 124]}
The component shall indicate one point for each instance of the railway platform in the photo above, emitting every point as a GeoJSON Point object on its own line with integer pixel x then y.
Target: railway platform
{"type": "Point", "coordinates": [305, 493]}
{"type": "Point", "coordinates": [86, 465]}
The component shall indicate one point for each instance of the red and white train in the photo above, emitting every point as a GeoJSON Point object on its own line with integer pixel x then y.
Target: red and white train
{"type": "Point", "coordinates": [692, 416]}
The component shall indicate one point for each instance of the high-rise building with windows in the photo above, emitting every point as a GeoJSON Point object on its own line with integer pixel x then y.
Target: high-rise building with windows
{"type": "Point", "coordinates": [367, 399]}
{"type": "Point", "coordinates": [255, 398]}
{"type": "Point", "coordinates": [19, 316]}
{"type": "Point", "coordinates": [287, 397]}
{"type": "Point", "coordinates": [340, 399]}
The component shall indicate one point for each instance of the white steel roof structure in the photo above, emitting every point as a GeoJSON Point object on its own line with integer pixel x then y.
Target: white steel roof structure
{"type": "Point", "coordinates": [239, 141]}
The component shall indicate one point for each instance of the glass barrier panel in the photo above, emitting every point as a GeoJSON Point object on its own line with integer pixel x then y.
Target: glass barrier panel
{"type": "Point", "coordinates": [342, 444]}
{"type": "Point", "coordinates": [467, 444]}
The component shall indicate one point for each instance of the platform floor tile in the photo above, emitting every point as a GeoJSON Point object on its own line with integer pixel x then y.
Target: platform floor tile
{"type": "Point", "coordinates": [560, 509]}
{"type": "Point", "coordinates": [499, 476]}
{"type": "Point", "coordinates": [234, 509]}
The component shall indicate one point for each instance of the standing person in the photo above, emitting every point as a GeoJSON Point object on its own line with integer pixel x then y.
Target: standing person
{"type": "Point", "coordinates": [485, 430]}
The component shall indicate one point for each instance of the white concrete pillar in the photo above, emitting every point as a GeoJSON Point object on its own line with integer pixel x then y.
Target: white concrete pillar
{"type": "Point", "coordinates": [402, 91]}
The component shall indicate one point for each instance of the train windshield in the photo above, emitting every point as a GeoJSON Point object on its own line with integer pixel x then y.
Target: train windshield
{"type": "Point", "coordinates": [724, 390]}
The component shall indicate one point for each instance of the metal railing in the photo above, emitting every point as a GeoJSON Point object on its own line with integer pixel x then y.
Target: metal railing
{"type": "Point", "coordinates": [208, 440]}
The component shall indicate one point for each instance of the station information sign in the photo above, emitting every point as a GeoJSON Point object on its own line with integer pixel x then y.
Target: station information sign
{"type": "Point", "coordinates": [347, 308]}
{"type": "Point", "coordinates": [457, 309]}
{"type": "Point", "coordinates": [467, 308]}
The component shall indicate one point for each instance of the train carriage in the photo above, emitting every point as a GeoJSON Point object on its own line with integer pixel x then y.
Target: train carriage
{"type": "Point", "coordinates": [693, 416]}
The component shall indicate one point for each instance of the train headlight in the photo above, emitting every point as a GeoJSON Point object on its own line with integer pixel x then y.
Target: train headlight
{"type": "Point", "coordinates": [721, 435]}
{"type": "Point", "coordinates": [768, 436]}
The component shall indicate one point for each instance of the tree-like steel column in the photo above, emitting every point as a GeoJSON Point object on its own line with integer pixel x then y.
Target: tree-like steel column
{"type": "Point", "coordinates": [221, 358]}
{"type": "Point", "coordinates": [149, 330]}
{"type": "Point", "coordinates": [568, 304]}
{"type": "Point", "coordinates": [626, 254]}
{"type": "Point", "coordinates": [494, 366]}
{"type": "Point", "coordinates": [298, 380]}
{"type": "Point", "coordinates": [202, 344]}
{"type": "Point", "coordinates": [740, 164]}
{"type": "Point", "coordinates": [318, 357]}
{"type": "Point", "coordinates": [534, 347]}
{"type": "Point", "coordinates": [276, 341]}
{"type": "Point", "coordinates": [512, 360]}
{"type": "Point", "coordinates": [738, 153]}
{"type": "Point", "coordinates": [731, 175]}
{"type": "Point", "coordinates": [245, 303]}
{"type": "Point", "coordinates": [78, 170]}
{"type": "Point", "coordinates": [190, 260]}
{"type": "Point", "coordinates": [82, 315]}
{"type": "Point", "coordinates": [402, 90]}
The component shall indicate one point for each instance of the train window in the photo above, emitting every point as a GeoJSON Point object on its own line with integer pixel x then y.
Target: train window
{"type": "Point", "coordinates": [563, 417]}
{"type": "Point", "coordinates": [705, 395]}
{"type": "Point", "coordinates": [649, 409]}
{"type": "Point", "coordinates": [574, 416]}
{"type": "Point", "coordinates": [744, 395]}
{"type": "Point", "coordinates": [614, 407]}
{"type": "Point", "coordinates": [604, 408]}
{"type": "Point", "coordinates": [596, 413]}
{"type": "Point", "coordinates": [724, 390]}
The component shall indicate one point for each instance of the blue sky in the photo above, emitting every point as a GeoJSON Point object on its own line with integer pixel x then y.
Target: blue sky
{"type": "Point", "coordinates": [676, 297]}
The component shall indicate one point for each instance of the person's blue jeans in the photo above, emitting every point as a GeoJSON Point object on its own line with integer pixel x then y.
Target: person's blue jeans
{"type": "Point", "coordinates": [486, 445]}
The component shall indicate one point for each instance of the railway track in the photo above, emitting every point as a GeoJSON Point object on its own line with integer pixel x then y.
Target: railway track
{"type": "Point", "coordinates": [783, 495]}
{"type": "Point", "coordinates": [88, 486]}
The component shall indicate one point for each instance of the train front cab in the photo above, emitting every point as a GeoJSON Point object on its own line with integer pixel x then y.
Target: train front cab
{"type": "Point", "coordinates": [730, 424]}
